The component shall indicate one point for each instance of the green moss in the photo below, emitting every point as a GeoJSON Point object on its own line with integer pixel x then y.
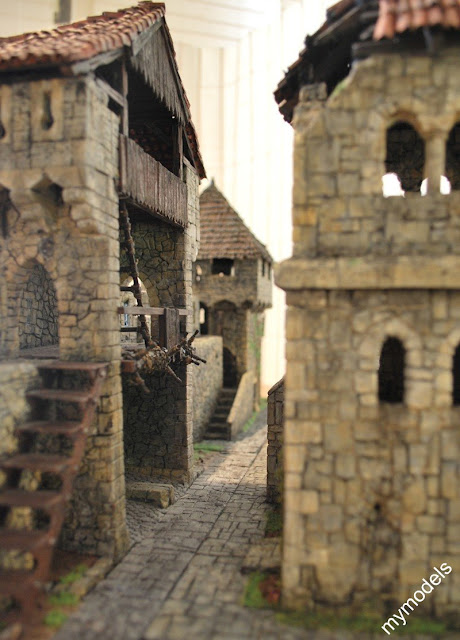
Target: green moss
{"type": "Point", "coordinates": [65, 598]}
{"type": "Point", "coordinates": [200, 447]}
{"type": "Point", "coordinates": [365, 621]}
{"type": "Point", "coordinates": [55, 618]}
{"type": "Point", "coordinates": [74, 575]}
{"type": "Point", "coordinates": [274, 524]}
{"type": "Point", "coordinates": [253, 597]}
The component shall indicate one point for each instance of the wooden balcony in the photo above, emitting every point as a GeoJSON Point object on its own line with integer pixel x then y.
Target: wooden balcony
{"type": "Point", "coordinates": [150, 185]}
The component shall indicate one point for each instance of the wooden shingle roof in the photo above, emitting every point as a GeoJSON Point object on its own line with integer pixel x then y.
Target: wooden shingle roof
{"type": "Point", "coordinates": [223, 232]}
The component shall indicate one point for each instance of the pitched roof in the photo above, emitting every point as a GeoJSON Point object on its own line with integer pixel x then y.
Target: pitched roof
{"type": "Point", "coordinates": [79, 41]}
{"type": "Point", "coordinates": [68, 45]}
{"type": "Point", "coordinates": [223, 232]}
{"type": "Point", "coordinates": [398, 16]}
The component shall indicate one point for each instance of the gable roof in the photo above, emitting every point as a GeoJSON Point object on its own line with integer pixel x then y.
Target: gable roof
{"type": "Point", "coordinates": [223, 232]}
{"type": "Point", "coordinates": [79, 47]}
{"type": "Point", "coordinates": [79, 41]}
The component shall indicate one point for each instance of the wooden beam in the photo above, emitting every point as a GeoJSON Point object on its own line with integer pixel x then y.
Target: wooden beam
{"type": "Point", "coordinates": [125, 115]}
{"type": "Point", "coordinates": [112, 93]}
{"type": "Point", "coordinates": [178, 150]}
{"type": "Point", "coordinates": [147, 311]}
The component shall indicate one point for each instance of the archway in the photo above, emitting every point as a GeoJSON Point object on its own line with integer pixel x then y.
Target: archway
{"type": "Point", "coordinates": [230, 369]}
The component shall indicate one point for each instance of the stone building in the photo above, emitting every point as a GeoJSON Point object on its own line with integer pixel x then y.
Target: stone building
{"type": "Point", "coordinates": [94, 121]}
{"type": "Point", "coordinates": [232, 288]}
{"type": "Point", "coordinates": [372, 484]}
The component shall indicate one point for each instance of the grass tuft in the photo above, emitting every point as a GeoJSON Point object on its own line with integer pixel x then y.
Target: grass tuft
{"type": "Point", "coordinates": [203, 446]}
{"type": "Point", "coordinates": [63, 599]}
{"type": "Point", "coordinates": [274, 524]}
{"type": "Point", "coordinates": [253, 597]}
{"type": "Point", "coordinates": [74, 575]}
{"type": "Point", "coordinates": [55, 618]}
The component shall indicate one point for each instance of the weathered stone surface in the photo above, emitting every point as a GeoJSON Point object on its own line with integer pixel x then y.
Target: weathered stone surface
{"type": "Point", "coordinates": [160, 495]}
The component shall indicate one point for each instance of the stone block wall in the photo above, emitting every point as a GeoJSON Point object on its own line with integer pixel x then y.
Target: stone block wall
{"type": "Point", "coordinates": [275, 422]}
{"type": "Point", "coordinates": [207, 382]}
{"type": "Point", "coordinates": [243, 404]}
{"type": "Point", "coordinates": [159, 426]}
{"type": "Point", "coordinates": [371, 487]}
{"type": "Point", "coordinates": [64, 217]}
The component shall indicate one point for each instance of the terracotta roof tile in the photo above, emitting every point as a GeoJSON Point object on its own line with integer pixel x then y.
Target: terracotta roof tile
{"type": "Point", "coordinates": [398, 16]}
{"type": "Point", "coordinates": [80, 40]}
{"type": "Point", "coordinates": [223, 232]}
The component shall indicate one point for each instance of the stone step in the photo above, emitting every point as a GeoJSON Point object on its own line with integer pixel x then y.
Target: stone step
{"type": "Point", "coordinates": [216, 435]}
{"type": "Point", "coordinates": [161, 495]}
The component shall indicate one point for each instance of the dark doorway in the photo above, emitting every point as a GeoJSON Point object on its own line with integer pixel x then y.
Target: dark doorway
{"type": "Point", "coordinates": [230, 370]}
{"type": "Point", "coordinates": [204, 319]}
{"type": "Point", "coordinates": [391, 371]}
{"type": "Point", "coordinates": [456, 377]}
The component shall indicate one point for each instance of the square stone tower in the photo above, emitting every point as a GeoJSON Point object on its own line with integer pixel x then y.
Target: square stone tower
{"type": "Point", "coordinates": [372, 491]}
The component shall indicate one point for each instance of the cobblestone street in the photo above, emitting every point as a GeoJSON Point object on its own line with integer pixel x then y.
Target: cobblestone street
{"type": "Point", "coordinates": [182, 577]}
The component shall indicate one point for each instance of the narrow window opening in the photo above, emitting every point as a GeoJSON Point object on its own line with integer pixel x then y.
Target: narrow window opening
{"type": "Point", "coordinates": [47, 118]}
{"type": "Point", "coordinates": [2, 128]}
{"type": "Point", "coordinates": [453, 157]}
{"type": "Point", "coordinates": [391, 185]}
{"type": "Point", "coordinates": [263, 267]}
{"type": "Point", "coordinates": [204, 319]}
{"type": "Point", "coordinates": [223, 267]}
{"type": "Point", "coordinates": [405, 155]}
{"type": "Point", "coordinates": [456, 377]}
{"type": "Point", "coordinates": [391, 371]}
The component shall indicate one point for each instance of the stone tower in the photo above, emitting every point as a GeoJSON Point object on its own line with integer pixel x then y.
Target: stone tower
{"type": "Point", "coordinates": [233, 286]}
{"type": "Point", "coordinates": [372, 491]}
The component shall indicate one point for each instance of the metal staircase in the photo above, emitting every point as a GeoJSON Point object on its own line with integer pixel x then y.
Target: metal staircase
{"type": "Point", "coordinates": [53, 442]}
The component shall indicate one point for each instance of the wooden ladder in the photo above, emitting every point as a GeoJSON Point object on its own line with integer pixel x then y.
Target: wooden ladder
{"type": "Point", "coordinates": [49, 406]}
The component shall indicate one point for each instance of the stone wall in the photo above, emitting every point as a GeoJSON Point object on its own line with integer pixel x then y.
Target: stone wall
{"type": "Point", "coordinates": [371, 488]}
{"type": "Point", "coordinates": [64, 217]}
{"type": "Point", "coordinates": [275, 421]}
{"type": "Point", "coordinates": [159, 426]}
{"type": "Point", "coordinates": [243, 404]}
{"type": "Point", "coordinates": [207, 382]}
{"type": "Point", "coordinates": [38, 315]}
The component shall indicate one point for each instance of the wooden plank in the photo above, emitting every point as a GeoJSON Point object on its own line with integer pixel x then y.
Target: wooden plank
{"type": "Point", "coordinates": [111, 92]}
{"type": "Point", "coordinates": [169, 328]}
{"type": "Point", "coordinates": [147, 311]}
{"type": "Point", "coordinates": [125, 114]}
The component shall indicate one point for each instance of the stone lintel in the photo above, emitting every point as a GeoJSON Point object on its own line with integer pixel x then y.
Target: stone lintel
{"type": "Point", "coordinates": [366, 272]}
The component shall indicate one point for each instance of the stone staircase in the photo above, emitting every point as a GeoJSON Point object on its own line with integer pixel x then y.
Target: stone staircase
{"type": "Point", "coordinates": [218, 427]}
{"type": "Point", "coordinates": [50, 449]}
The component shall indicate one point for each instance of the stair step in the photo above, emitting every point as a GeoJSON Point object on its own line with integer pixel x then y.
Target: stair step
{"type": "Point", "coordinates": [34, 499]}
{"type": "Point", "coordinates": [70, 365]}
{"type": "Point", "coordinates": [63, 395]}
{"type": "Point", "coordinates": [36, 462]}
{"type": "Point", "coordinates": [213, 435]}
{"type": "Point", "coordinates": [220, 413]}
{"type": "Point", "coordinates": [219, 420]}
{"type": "Point", "coordinates": [53, 428]}
{"type": "Point", "coordinates": [22, 540]}
{"type": "Point", "coordinates": [214, 426]}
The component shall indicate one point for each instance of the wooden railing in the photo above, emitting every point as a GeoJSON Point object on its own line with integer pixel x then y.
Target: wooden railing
{"type": "Point", "coordinates": [150, 185]}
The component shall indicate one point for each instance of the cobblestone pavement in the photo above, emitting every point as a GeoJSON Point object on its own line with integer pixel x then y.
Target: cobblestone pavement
{"type": "Point", "coordinates": [183, 579]}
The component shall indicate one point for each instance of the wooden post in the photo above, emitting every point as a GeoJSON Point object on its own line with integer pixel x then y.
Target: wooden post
{"type": "Point", "coordinates": [178, 150]}
{"type": "Point", "coordinates": [169, 328]}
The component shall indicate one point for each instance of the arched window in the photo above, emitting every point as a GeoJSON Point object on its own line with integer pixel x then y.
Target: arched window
{"type": "Point", "coordinates": [391, 371]}
{"type": "Point", "coordinates": [456, 377]}
{"type": "Point", "coordinates": [453, 157]}
{"type": "Point", "coordinates": [405, 155]}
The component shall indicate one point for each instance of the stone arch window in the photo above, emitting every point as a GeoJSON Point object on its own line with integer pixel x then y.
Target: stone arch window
{"type": "Point", "coordinates": [456, 377]}
{"type": "Point", "coordinates": [452, 170]}
{"type": "Point", "coordinates": [391, 371]}
{"type": "Point", "coordinates": [38, 310]}
{"type": "Point", "coordinates": [405, 155]}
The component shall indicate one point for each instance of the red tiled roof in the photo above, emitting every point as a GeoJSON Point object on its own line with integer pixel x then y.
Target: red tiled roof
{"type": "Point", "coordinates": [397, 16]}
{"type": "Point", "coordinates": [223, 232]}
{"type": "Point", "coordinates": [80, 40]}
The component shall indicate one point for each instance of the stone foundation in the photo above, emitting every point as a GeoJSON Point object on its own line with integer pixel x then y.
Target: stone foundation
{"type": "Point", "coordinates": [207, 382]}
{"type": "Point", "coordinates": [275, 422]}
